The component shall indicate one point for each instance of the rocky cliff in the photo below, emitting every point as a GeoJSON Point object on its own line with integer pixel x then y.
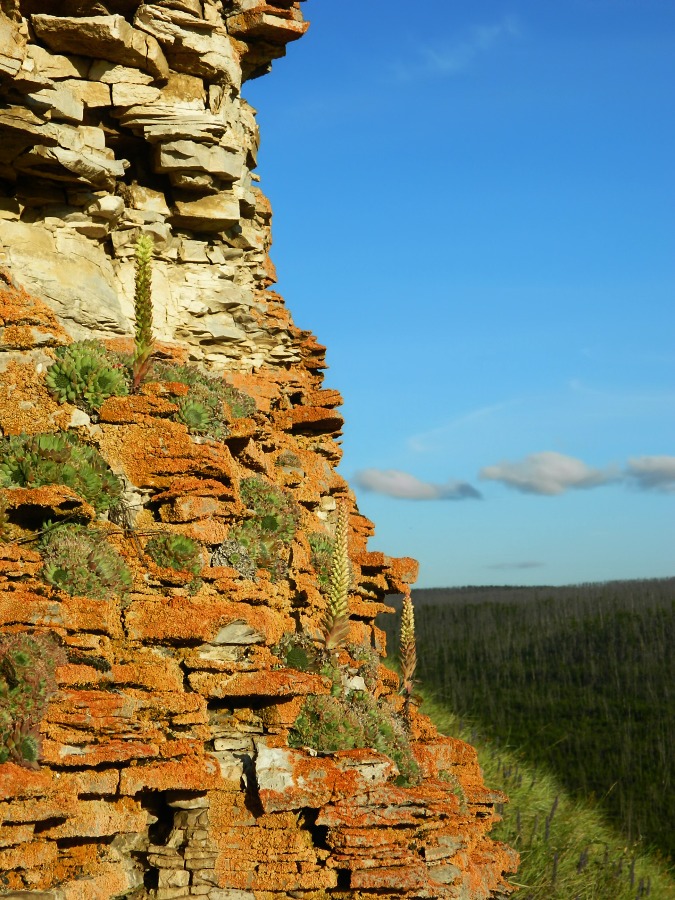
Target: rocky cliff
{"type": "Point", "coordinates": [165, 548]}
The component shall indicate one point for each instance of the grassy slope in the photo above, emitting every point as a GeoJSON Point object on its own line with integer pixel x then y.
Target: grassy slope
{"type": "Point", "coordinates": [567, 850]}
{"type": "Point", "coordinates": [581, 680]}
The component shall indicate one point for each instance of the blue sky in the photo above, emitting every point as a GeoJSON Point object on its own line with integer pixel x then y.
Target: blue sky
{"type": "Point", "coordinates": [473, 209]}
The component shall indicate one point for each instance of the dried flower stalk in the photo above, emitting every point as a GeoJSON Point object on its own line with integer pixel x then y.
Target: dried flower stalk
{"type": "Point", "coordinates": [336, 619]}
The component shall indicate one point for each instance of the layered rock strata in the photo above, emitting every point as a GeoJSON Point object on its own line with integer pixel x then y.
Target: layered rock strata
{"type": "Point", "coordinates": [165, 768]}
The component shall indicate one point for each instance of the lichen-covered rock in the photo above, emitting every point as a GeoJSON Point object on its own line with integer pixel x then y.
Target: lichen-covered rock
{"type": "Point", "coordinates": [165, 766]}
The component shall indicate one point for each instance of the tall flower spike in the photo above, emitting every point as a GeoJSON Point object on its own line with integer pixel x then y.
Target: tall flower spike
{"type": "Point", "coordinates": [408, 649]}
{"type": "Point", "coordinates": [336, 619]}
{"type": "Point", "coordinates": [144, 339]}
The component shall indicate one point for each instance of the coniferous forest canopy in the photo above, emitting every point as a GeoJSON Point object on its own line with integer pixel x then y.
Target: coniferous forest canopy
{"type": "Point", "coordinates": [580, 679]}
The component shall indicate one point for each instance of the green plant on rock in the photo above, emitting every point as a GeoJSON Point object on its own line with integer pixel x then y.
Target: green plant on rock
{"type": "Point", "coordinates": [5, 527]}
{"type": "Point", "coordinates": [322, 547]}
{"type": "Point", "coordinates": [262, 547]}
{"type": "Point", "coordinates": [42, 459]}
{"type": "Point", "coordinates": [241, 405]}
{"type": "Point", "coordinates": [195, 415]}
{"type": "Point", "coordinates": [175, 551]}
{"type": "Point", "coordinates": [144, 340]}
{"type": "Point", "coordinates": [81, 562]}
{"type": "Point", "coordinates": [328, 723]}
{"type": "Point", "coordinates": [335, 625]}
{"type": "Point", "coordinates": [84, 374]}
{"type": "Point", "coordinates": [275, 510]}
{"type": "Point", "coordinates": [202, 410]}
{"type": "Point", "coordinates": [369, 663]}
{"type": "Point", "coordinates": [267, 535]}
{"type": "Point", "coordinates": [27, 667]}
{"type": "Point", "coordinates": [287, 460]}
{"type": "Point", "coordinates": [299, 651]}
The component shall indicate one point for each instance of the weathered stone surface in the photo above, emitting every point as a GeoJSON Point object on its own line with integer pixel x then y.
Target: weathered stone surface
{"type": "Point", "coordinates": [107, 37]}
{"type": "Point", "coordinates": [12, 47]}
{"type": "Point", "coordinates": [192, 44]}
{"type": "Point", "coordinates": [189, 156]}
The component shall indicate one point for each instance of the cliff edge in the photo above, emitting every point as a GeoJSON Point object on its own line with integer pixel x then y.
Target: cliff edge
{"type": "Point", "coordinates": [175, 720]}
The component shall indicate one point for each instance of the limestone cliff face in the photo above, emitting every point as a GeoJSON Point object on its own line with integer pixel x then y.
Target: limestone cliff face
{"type": "Point", "coordinates": [121, 117]}
{"type": "Point", "coordinates": [165, 770]}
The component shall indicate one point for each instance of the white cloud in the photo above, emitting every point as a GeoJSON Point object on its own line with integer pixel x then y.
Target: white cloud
{"type": "Point", "coordinates": [435, 438]}
{"type": "Point", "coordinates": [652, 473]}
{"type": "Point", "coordinates": [395, 483]}
{"type": "Point", "coordinates": [451, 58]}
{"type": "Point", "coordinates": [547, 473]}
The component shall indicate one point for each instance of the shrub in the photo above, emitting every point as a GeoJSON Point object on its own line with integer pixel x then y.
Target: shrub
{"type": "Point", "coordinates": [85, 375]}
{"type": "Point", "coordinates": [369, 660]}
{"type": "Point", "coordinates": [27, 666]}
{"type": "Point", "coordinates": [81, 562]}
{"type": "Point", "coordinates": [41, 459]}
{"type": "Point", "coordinates": [175, 551]}
{"type": "Point", "coordinates": [241, 405]}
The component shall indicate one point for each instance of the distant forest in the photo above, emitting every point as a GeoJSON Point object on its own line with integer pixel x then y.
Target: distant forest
{"type": "Point", "coordinates": [579, 678]}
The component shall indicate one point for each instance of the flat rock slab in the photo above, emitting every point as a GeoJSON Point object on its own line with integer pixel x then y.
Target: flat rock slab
{"type": "Point", "coordinates": [105, 37]}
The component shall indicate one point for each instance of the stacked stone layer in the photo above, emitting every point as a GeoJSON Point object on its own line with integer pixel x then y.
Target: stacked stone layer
{"type": "Point", "coordinates": [165, 770]}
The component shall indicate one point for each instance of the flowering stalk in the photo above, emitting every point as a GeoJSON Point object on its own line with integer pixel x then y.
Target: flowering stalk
{"type": "Point", "coordinates": [144, 339]}
{"type": "Point", "coordinates": [408, 650]}
{"type": "Point", "coordinates": [336, 618]}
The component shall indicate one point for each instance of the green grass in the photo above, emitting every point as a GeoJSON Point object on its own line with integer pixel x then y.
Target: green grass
{"type": "Point", "coordinates": [569, 696]}
{"type": "Point", "coordinates": [568, 850]}
{"type": "Point", "coordinates": [581, 680]}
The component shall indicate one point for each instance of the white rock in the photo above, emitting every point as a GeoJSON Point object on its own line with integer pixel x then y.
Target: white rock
{"type": "Point", "coordinates": [191, 44]}
{"type": "Point", "coordinates": [92, 94]}
{"type": "Point", "coordinates": [274, 769]}
{"type": "Point", "coordinates": [12, 47]}
{"type": "Point", "coordinates": [190, 156]}
{"type": "Point", "coordinates": [55, 66]}
{"type": "Point", "coordinates": [70, 273]}
{"type": "Point", "coordinates": [78, 418]}
{"type": "Point", "coordinates": [110, 73]}
{"type": "Point", "coordinates": [107, 37]}
{"type": "Point", "coordinates": [60, 101]}
{"type": "Point", "coordinates": [108, 207]}
{"type": "Point", "coordinates": [238, 632]}
{"type": "Point", "coordinates": [217, 211]}
{"type": "Point", "coordinates": [134, 94]}
{"type": "Point", "coordinates": [140, 197]}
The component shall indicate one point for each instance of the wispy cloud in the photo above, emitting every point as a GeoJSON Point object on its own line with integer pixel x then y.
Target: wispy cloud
{"type": "Point", "coordinates": [526, 564]}
{"type": "Point", "coordinates": [548, 473]}
{"type": "Point", "coordinates": [652, 473]}
{"type": "Point", "coordinates": [441, 60]}
{"type": "Point", "coordinates": [402, 485]}
{"type": "Point", "coordinates": [429, 440]}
